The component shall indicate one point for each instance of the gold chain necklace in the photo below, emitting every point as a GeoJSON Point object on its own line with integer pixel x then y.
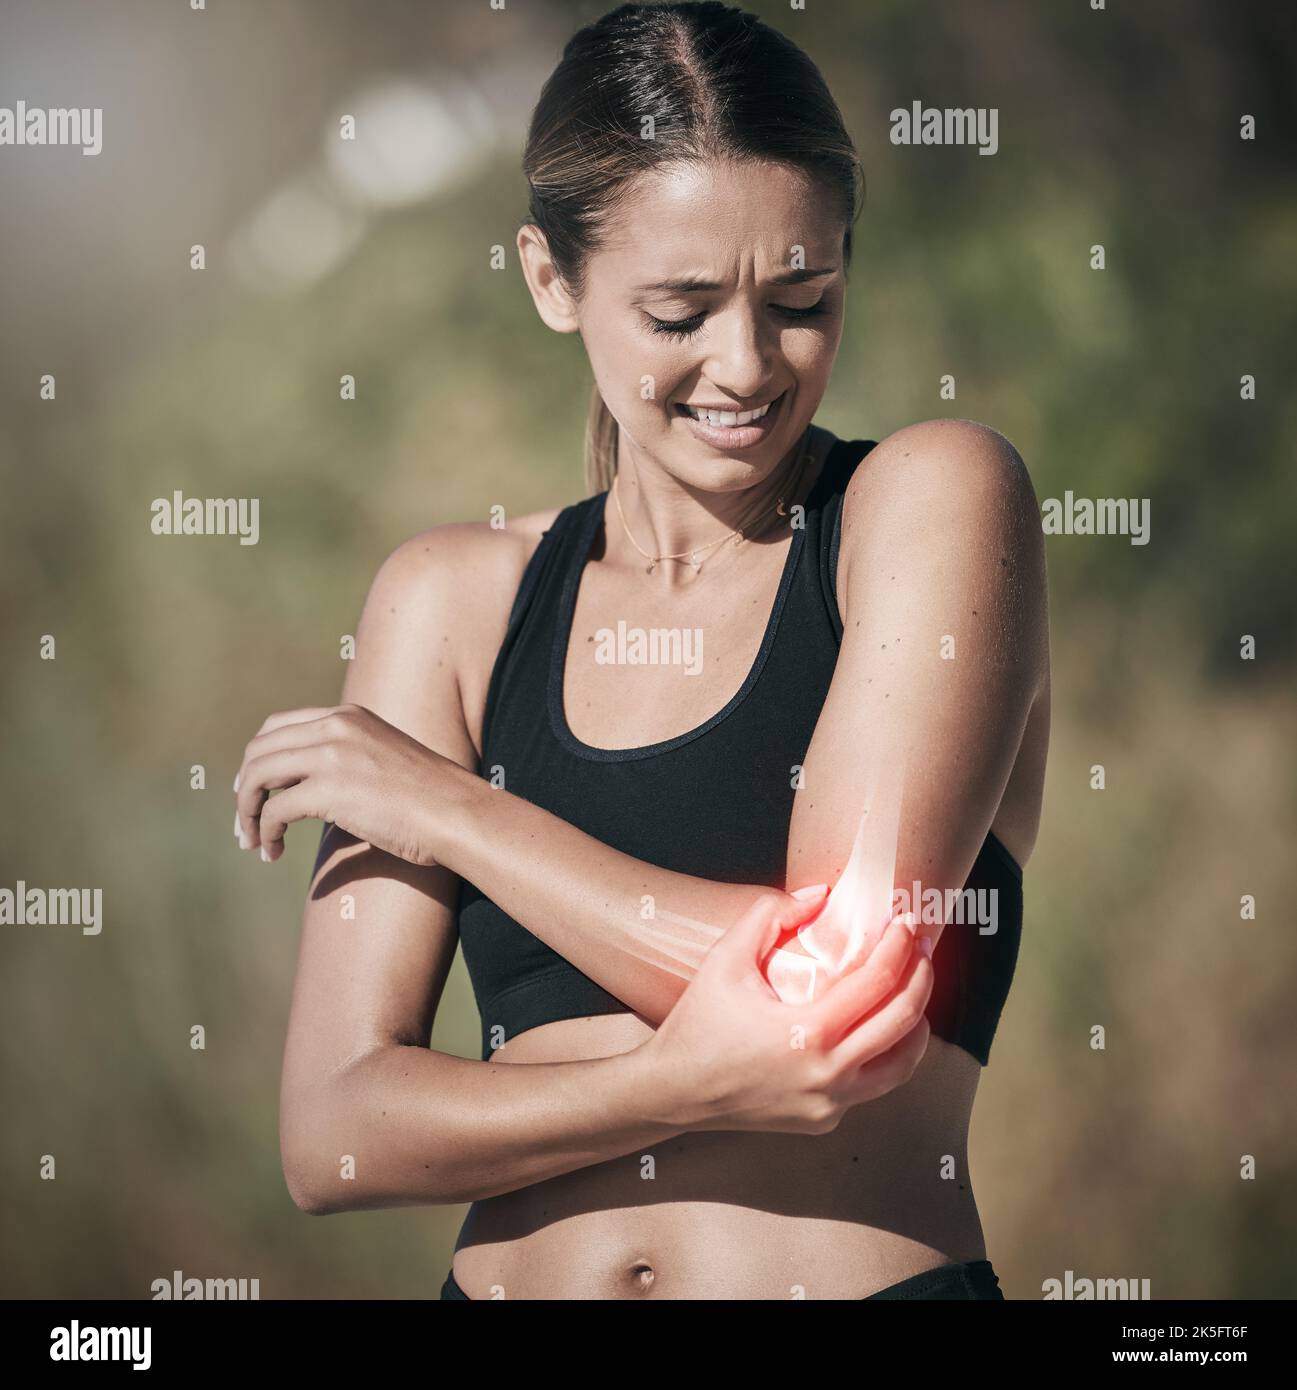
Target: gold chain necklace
{"type": "Point", "coordinates": [739, 535]}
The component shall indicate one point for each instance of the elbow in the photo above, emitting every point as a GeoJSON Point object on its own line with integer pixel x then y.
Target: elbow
{"type": "Point", "coordinates": [307, 1199]}
{"type": "Point", "coordinates": [309, 1191]}
{"type": "Point", "coordinates": [309, 1195]}
{"type": "Point", "coordinates": [311, 1174]}
{"type": "Point", "coordinates": [326, 1173]}
{"type": "Point", "coordinates": [317, 1193]}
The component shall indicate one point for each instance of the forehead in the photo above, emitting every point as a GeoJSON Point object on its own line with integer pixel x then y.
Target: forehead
{"type": "Point", "coordinates": [722, 218]}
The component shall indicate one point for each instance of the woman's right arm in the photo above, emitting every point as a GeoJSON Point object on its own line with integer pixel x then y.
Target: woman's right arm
{"type": "Point", "coordinates": [371, 1117]}
{"type": "Point", "coordinates": [396, 1123]}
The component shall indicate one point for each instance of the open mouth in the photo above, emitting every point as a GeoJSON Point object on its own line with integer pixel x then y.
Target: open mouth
{"type": "Point", "coordinates": [731, 430]}
{"type": "Point", "coordinates": [727, 419]}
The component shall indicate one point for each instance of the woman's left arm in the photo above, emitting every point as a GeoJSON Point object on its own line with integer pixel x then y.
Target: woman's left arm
{"type": "Point", "coordinates": [944, 652]}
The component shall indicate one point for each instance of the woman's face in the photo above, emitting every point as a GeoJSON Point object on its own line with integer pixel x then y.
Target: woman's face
{"type": "Point", "coordinates": [751, 318]}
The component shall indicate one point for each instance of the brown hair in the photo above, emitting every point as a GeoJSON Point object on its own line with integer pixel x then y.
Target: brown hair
{"type": "Point", "coordinates": [717, 83]}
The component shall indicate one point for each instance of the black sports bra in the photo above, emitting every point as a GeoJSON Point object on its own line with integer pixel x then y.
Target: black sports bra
{"type": "Point", "coordinates": [714, 802]}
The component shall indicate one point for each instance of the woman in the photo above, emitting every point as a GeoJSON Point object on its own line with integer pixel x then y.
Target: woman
{"type": "Point", "coordinates": [508, 768]}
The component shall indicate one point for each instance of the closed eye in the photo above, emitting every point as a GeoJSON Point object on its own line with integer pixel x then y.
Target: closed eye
{"type": "Point", "coordinates": [690, 327]}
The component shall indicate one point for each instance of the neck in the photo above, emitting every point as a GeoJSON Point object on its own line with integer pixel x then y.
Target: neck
{"type": "Point", "coordinates": [666, 516]}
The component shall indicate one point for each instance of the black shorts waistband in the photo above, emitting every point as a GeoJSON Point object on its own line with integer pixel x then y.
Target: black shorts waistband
{"type": "Point", "coordinates": [973, 1279]}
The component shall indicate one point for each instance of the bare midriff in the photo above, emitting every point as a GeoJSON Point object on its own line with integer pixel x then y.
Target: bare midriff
{"type": "Point", "coordinates": [737, 1214]}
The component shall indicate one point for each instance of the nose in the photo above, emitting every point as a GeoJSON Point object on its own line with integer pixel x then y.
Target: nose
{"type": "Point", "coordinates": [741, 354]}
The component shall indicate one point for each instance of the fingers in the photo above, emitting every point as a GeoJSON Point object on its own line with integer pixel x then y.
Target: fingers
{"type": "Point", "coordinates": [743, 946]}
{"type": "Point", "coordinates": [264, 774]}
{"type": "Point", "coordinates": [281, 811]}
{"type": "Point", "coordinates": [283, 720]}
{"type": "Point", "coordinates": [294, 730]}
{"type": "Point", "coordinates": [884, 1028]}
{"type": "Point", "coordinates": [295, 716]}
{"type": "Point", "coordinates": [891, 1069]}
{"type": "Point", "coordinates": [864, 988]}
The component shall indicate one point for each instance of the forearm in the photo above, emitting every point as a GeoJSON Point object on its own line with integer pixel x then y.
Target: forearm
{"type": "Point", "coordinates": [405, 1126]}
{"type": "Point", "coordinates": [640, 931]}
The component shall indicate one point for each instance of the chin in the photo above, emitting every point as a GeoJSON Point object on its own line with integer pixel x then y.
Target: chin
{"type": "Point", "coordinates": [725, 475]}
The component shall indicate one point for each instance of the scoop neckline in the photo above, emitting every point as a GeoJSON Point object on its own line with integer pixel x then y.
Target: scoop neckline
{"type": "Point", "coordinates": [567, 612]}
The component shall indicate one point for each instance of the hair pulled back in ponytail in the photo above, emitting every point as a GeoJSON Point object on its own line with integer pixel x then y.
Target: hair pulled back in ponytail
{"type": "Point", "coordinates": [716, 82]}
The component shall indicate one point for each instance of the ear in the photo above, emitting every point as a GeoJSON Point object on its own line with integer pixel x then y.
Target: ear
{"type": "Point", "coordinates": [553, 303]}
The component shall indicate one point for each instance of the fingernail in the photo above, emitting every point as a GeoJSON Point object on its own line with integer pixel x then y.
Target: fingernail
{"type": "Point", "coordinates": [236, 825]}
{"type": "Point", "coordinates": [814, 890]}
{"type": "Point", "coordinates": [925, 945]}
{"type": "Point", "coordinates": [245, 840]}
{"type": "Point", "coordinates": [237, 775]}
{"type": "Point", "coordinates": [265, 858]}
{"type": "Point", "coordinates": [909, 923]}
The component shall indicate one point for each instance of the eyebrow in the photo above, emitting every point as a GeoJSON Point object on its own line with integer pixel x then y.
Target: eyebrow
{"type": "Point", "coordinates": [690, 284]}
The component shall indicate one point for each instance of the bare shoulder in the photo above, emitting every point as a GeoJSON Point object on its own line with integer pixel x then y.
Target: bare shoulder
{"type": "Point", "coordinates": [534, 524]}
{"type": "Point", "coordinates": [942, 515]}
{"type": "Point", "coordinates": [459, 567]}
{"type": "Point", "coordinates": [961, 465]}
{"type": "Point", "coordinates": [955, 482]}
{"type": "Point", "coordinates": [435, 617]}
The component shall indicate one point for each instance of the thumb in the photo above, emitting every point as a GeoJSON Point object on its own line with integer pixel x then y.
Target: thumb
{"type": "Point", "coordinates": [745, 944]}
{"type": "Point", "coordinates": [815, 894]}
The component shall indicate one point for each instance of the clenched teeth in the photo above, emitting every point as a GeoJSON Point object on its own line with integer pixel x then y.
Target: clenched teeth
{"type": "Point", "coordinates": [727, 417]}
